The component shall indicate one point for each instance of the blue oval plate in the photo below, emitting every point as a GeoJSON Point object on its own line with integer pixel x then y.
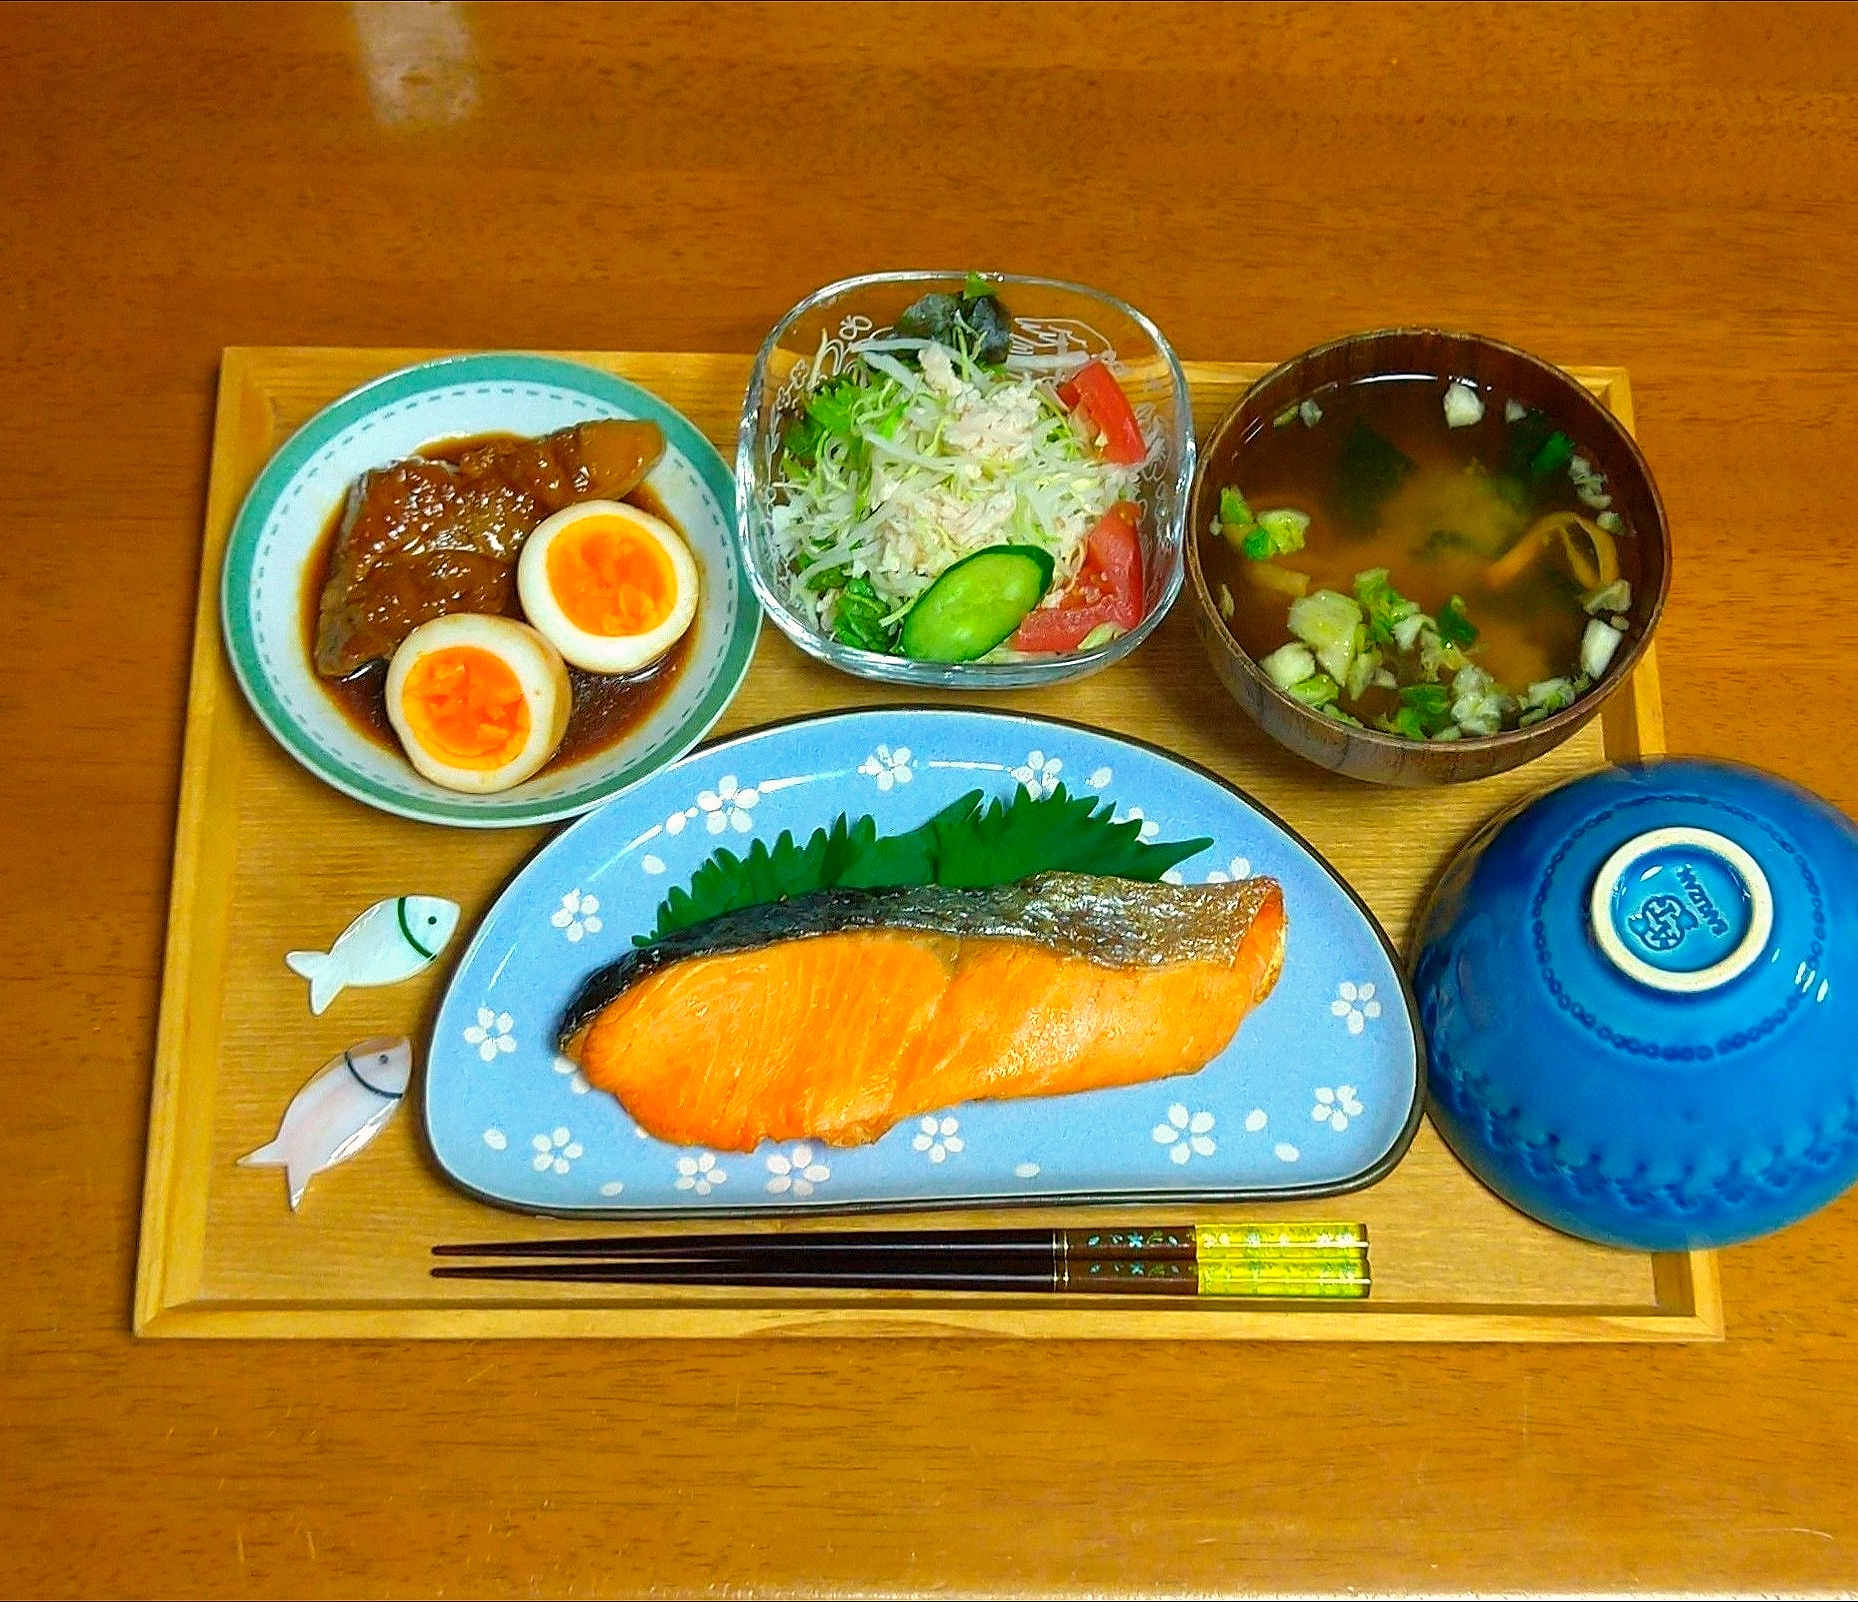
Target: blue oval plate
{"type": "Point", "coordinates": [1319, 1092]}
{"type": "Point", "coordinates": [455, 397]}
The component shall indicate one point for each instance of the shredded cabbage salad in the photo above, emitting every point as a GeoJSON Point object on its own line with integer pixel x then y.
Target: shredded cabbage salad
{"type": "Point", "coordinates": [916, 456]}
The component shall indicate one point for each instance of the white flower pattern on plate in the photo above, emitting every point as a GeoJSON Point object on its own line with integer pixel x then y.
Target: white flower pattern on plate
{"type": "Point", "coordinates": [700, 1173]}
{"type": "Point", "coordinates": [1150, 828]}
{"type": "Point", "coordinates": [728, 806]}
{"type": "Point", "coordinates": [797, 1170]}
{"type": "Point", "coordinates": [1335, 1107]}
{"type": "Point", "coordinates": [1186, 1135]}
{"type": "Point", "coordinates": [1356, 1003]}
{"type": "Point", "coordinates": [1039, 773]}
{"type": "Point", "coordinates": [570, 1070]}
{"type": "Point", "coordinates": [939, 1137]}
{"type": "Point", "coordinates": [491, 1033]}
{"type": "Point", "coordinates": [577, 915]}
{"type": "Point", "coordinates": [888, 767]}
{"type": "Point", "coordinates": [1239, 868]}
{"type": "Point", "coordinates": [558, 1151]}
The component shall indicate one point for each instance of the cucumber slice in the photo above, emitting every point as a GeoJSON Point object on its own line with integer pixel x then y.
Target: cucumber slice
{"type": "Point", "coordinates": [976, 604]}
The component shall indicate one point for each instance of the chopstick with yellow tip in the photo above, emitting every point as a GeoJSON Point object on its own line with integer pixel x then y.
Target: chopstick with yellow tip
{"type": "Point", "coordinates": [1251, 1260]}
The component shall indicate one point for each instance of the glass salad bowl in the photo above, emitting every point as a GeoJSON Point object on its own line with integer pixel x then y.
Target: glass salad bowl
{"type": "Point", "coordinates": [1055, 329]}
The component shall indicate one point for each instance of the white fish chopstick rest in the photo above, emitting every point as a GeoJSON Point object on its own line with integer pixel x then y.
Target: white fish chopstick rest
{"type": "Point", "coordinates": [338, 1112]}
{"type": "Point", "coordinates": [393, 940]}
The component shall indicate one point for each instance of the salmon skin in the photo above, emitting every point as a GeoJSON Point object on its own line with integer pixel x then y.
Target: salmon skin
{"type": "Point", "coordinates": [836, 1015]}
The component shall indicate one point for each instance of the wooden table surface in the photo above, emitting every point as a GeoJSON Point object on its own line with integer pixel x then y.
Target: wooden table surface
{"type": "Point", "coordinates": [1667, 188]}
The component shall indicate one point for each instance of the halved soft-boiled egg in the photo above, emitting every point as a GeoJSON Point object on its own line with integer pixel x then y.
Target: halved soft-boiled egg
{"type": "Point", "coordinates": [480, 703]}
{"type": "Point", "coordinates": [613, 587]}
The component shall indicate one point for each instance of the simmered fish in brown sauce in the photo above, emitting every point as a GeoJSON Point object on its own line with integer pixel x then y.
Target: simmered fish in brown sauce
{"type": "Point", "coordinates": [440, 533]}
{"type": "Point", "coordinates": [437, 534]}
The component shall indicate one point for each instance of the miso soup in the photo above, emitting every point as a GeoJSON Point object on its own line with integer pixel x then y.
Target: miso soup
{"type": "Point", "coordinates": [1423, 557]}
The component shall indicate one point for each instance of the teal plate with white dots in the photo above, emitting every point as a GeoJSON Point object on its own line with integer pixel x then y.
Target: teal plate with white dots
{"type": "Point", "coordinates": [269, 557]}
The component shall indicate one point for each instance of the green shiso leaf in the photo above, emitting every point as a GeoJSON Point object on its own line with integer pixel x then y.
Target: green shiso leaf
{"type": "Point", "coordinates": [970, 844]}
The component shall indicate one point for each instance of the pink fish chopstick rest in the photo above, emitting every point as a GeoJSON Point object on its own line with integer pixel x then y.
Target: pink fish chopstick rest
{"type": "Point", "coordinates": [338, 1112]}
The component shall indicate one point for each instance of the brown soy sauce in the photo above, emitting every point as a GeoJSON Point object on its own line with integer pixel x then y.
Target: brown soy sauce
{"type": "Point", "coordinates": [605, 708]}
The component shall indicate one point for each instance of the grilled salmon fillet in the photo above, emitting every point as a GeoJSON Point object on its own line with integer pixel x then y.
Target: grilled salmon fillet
{"type": "Point", "coordinates": [835, 1016]}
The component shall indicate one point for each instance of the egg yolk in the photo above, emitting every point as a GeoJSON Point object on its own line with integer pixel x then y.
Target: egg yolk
{"type": "Point", "coordinates": [611, 578]}
{"type": "Point", "coordinates": [466, 706]}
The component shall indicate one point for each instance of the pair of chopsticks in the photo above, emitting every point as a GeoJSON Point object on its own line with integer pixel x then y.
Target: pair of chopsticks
{"type": "Point", "coordinates": [1252, 1260]}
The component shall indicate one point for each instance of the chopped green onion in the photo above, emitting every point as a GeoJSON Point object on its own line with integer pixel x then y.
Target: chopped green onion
{"type": "Point", "coordinates": [1233, 512]}
{"type": "Point", "coordinates": [1385, 606]}
{"type": "Point", "coordinates": [1316, 691]}
{"type": "Point", "coordinates": [1286, 527]}
{"type": "Point", "coordinates": [1361, 673]}
{"type": "Point", "coordinates": [1435, 656]}
{"type": "Point", "coordinates": [1598, 645]}
{"type": "Point", "coordinates": [1330, 624]}
{"type": "Point", "coordinates": [1324, 618]}
{"type": "Point", "coordinates": [1463, 406]}
{"type": "Point", "coordinates": [1612, 522]}
{"type": "Point", "coordinates": [1479, 703]}
{"type": "Point", "coordinates": [1425, 707]}
{"type": "Point", "coordinates": [1549, 695]}
{"type": "Point", "coordinates": [1408, 630]}
{"type": "Point", "coordinates": [1310, 412]}
{"type": "Point", "coordinates": [1288, 665]}
{"type": "Point", "coordinates": [1286, 417]}
{"type": "Point", "coordinates": [1614, 597]}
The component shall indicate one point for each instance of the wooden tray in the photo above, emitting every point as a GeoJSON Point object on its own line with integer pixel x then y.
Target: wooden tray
{"type": "Point", "coordinates": [267, 858]}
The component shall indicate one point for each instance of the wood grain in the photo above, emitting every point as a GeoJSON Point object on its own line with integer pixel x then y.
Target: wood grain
{"type": "Point", "coordinates": [265, 849]}
{"type": "Point", "coordinates": [1668, 188]}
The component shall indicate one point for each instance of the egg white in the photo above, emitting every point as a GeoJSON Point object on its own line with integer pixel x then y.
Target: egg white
{"type": "Point", "coordinates": [539, 670]}
{"type": "Point", "coordinates": [606, 653]}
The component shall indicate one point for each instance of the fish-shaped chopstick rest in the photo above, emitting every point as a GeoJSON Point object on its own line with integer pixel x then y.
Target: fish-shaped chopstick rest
{"type": "Point", "coordinates": [338, 1112]}
{"type": "Point", "coordinates": [393, 940]}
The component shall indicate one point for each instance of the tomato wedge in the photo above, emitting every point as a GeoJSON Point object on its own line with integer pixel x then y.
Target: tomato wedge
{"type": "Point", "coordinates": [1108, 588]}
{"type": "Point", "coordinates": [1094, 388]}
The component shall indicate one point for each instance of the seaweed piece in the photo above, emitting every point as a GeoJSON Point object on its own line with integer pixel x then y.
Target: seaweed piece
{"type": "Point", "coordinates": [1455, 625]}
{"type": "Point", "coordinates": [1536, 447]}
{"type": "Point", "coordinates": [1371, 469]}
